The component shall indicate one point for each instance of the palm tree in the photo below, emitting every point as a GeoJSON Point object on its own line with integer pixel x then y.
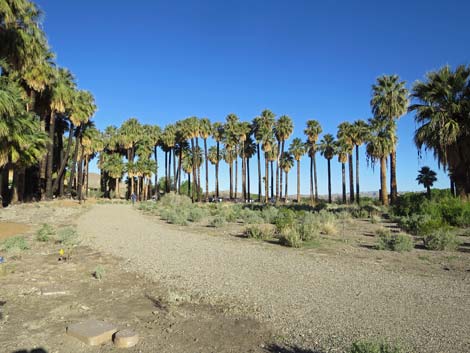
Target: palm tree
{"type": "Point", "coordinates": [343, 149]}
{"type": "Point", "coordinates": [313, 130]}
{"type": "Point", "coordinates": [231, 135]}
{"type": "Point", "coordinates": [379, 146]}
{"type": "Point", "coordinates": [265, 135]}
{"type": "Point", "coordinates": [426, 177]}
{"type": "Point", "coordinates": [389, 102]}
{"type": "Point", "coordinates": [213, 157]}
{"type": "Point", "coordinates": [187, 165]}
{"type": "Point", "coordinates": [243, 131]}
{"type": "Point", "coordinates": [327, 149]}
{"type": "Point", "coordinates": [255, 127]}
{"type": "Point", "coordinates": [360, 133]}
{"type": "Point", "coordinates": [287, 162]}
{"type": "Point", "coordinates": [442, 112]}
{"type": "Point", "coordinates": [153, 132]}
{"type": "Point", "coordinates": [114, 166]}
{"type": "Point", "coordinates": [283, 128]}
{"type": "Point", "coordinates": [205, 131]}
{"type": "Point", "coordinates": [217, 135]}
{"type": "Point", "coordinates": [250, 151]}
{"type": "Point", "coordinates": [297, 150]}
{"type": "Point", "coordinates": [346, 135]}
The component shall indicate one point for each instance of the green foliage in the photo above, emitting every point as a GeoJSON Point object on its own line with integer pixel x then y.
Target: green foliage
{"type": "Point", "coordinates": [259, 232]}
{"type": "Point", "coordinates": [440, 239]}
{"type": "Point", "coordinates": [373, 347]}
{"type": "Point", "coordinates": [99, 272]}
{"type": "Point", "coordinates": [285, 220]}
{"type": "Point", "coordinates": [309, 227]}
{"type": "Point", "coordinates": [394, 241]}
{"type": "Point", "coordinates": [15, 244]}
{"type": "Point", "coordinates": [218, 221]}
{"type": "Point", "coordinates": [270, 214]}
{"type": "Point", "coordinates": [290, 237]}
{"type": "Point", "coordinates": [177, 217]}
{"type": "Point", "coordinates": [67, 236]}
{"type": "Point", "coordinates": [197, 214]}
{"type": "Point", "coordinates": [45, 233]}
{"type": "Point", "coordinates": [174, 200]}
{"type": "Point", "coordinates": [251, 216]}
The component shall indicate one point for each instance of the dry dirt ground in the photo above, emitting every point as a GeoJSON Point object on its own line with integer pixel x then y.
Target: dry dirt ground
{"type": "Point", "coordinates": [199, 289]}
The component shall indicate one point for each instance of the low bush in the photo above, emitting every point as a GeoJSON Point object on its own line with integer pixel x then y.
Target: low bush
{"type": "Point", "coordinates": [178, 217]}
{"type": "Point", "coordinates": [218, 221]}
{"type": "Point", "coordinates": [197, 214]}
{"type": "Point", "coordinates": [99, 272]}
{"type": "Point", "coordinates": [270, 214]}
{"type": "Point", "coordinates": [394, 241]}
{"type": "Point", "coordinates": [67, 236]}
{"type": "Point", "coordinates": [373, 347]}
{"type": "Point", "coordinates": [290, 237]}
{"type": "Point", "coordinates": [329, 228]}
{"type": "Point", "coordinates": [440, 239]}
{"type": "Point", "coordinates": [14, 244]}
{"type": "Point", "coordinates": [262, 231]}
{"type": "Point", "coordinates": [251, 217]}
{"type": "Point", "coordinates": [175, 201]}
{"type": "Point", "coordinates": [375, 219]}
{"type": "Point", "coordinates": [309, 227]}
{"type": "Point", "coordinates": [45, 233]}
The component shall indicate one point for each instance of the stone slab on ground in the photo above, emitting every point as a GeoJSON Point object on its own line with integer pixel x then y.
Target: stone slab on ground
{"type": "Point", "coordinates": [92, 332]}
{"type": "Point", "coordinates": [126, 338]}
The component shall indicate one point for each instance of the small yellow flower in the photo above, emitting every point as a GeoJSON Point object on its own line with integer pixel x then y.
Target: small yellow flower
{"type": "Point", "coordinates": [61, 252]}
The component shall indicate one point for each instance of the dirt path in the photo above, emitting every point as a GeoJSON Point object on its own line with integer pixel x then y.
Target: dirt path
{"type": "Point", "coordinates": [312, 299]}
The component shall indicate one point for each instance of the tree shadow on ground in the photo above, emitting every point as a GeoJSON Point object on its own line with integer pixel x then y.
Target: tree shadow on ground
{"type": "Point", "coordinates": [274, 348]}
{"type": "Point", "coordinates": [35, 350]}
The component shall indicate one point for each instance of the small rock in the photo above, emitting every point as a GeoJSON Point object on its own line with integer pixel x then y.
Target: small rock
{"type": "Point", "coordinates": [92, 332]}
{"type": "Point", "coordinates": [126, 338]}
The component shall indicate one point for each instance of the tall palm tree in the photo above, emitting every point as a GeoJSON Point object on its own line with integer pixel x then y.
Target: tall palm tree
{"type": "Point", "coordinates": [360, 133]}
{"type": "Point", "coordinates": [346, 135]}
{"type": "Point", "coordinates": [327, 149]}
{"type": "Point", "coordinates": [114, 165]}
{"type": "Point", "coordinates": [442, 111]}
{"type": "Point", "coordinates": [379, 146]}
{"type": "Point", "coordinates": [343, 149]}
{"type": "Point", "coordinates": [255, 127]}
{"type": "Point", "coordinates": [313, 130]}
{"type": "Point", "coordinates": [217, 135]}
{"type": "Point", "coordinates": [390, 102]}
{"type": "Point", "coordinates": [153, 132]}
{"type": "Point", "coordinates": [283, 128]}
{"type": "Point", "coordinates": [231, 143]}
{"type": "Point", "coordinates": [187, 165]}
{"type": "Point", "coordinates": [265, 135]}
{"type": "Point", "coordinates": [243, 131]}
{"type": "Point", "coordinates": [297, 150]}
{"type": "Point", "coordinates": [426, 177]}
{"type": "Point", "coordinates": [205, 129]}
{"type": "Point", "coordinates": [287, 162]}
{"type": "Point", "coordinates": [213, 157]}
{"type": "Point", "coordinates": [250, 151]}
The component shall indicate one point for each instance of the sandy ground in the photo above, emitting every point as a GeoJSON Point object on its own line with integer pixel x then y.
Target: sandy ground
{"type": "Point", "coordinates": [308, 297]}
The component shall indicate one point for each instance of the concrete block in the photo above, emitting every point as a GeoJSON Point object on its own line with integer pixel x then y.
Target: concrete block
{"type": "Point", "coordinates": [126, 338]}
{"type": "Point", "coordinates": [92, 332]}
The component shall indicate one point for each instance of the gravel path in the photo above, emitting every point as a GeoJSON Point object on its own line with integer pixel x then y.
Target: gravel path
{"type": "Point", "coordinates": [311, 299]}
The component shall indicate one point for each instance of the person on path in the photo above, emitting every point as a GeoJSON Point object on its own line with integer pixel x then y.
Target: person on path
{"type": "Point", "coordinates": [133, 199]}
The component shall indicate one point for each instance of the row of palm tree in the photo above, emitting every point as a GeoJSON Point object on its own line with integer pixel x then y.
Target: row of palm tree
{"type": "Point", "coordinates": [45, 127]}
{"type": "Point", "coordinates": [47, 137]}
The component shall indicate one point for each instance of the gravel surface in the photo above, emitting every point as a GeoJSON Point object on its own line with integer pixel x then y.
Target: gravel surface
{"type": "Point", "coordinates": [312, 300]}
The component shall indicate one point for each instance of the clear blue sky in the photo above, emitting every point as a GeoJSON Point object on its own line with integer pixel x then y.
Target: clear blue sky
{"type": "Point", "coordinates": [161, 61]}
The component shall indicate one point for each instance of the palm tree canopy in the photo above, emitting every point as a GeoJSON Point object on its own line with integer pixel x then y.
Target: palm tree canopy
{"type": "Point", "coordinates": [360, 132]}
{"type": "Point", "coordinates": [426, 177]}
{"type": "Point", "coordinates": [283, 128]}
{"type": "Point", "coordinates": [286, 162]}
{"type": "Point", "coordinates": [313, 130]}
{"type": "Point", "coordinates": [389, 97]}
{"type": "Point", "coordinates": [327, 146]}
{"type": "Point", "coordinates": [205, 128]}
{"type": "Point", "coordinates": [297, 148]}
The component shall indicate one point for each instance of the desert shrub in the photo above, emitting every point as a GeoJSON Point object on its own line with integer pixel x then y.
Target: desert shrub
{"type": "Point", "coordinates": [67, 236]}
{"type": "Point", "coordinates": [178, 217]}
{"type": "Point", "coordinates": [99, 272]}
{"type": "Point", "coordinates": [375, 219]}
{"type": "Point", "coordinates": [285, 220]}
{"type": "Point", "coordinates": [175, 201]}
{"type": "Point", "coordinates": [218, 221]}
{"type": "Point", "coordinates": [394, 241]}
{"type": "Point", "coordinates": [440, 239]}
{"type": "Point", "coordinates": [270, 214]}
{"type": "Point", "coordinates": [45, 233]}
{"type": "Point", "coordinates": [14, 244]}
{"type": "Point", "coordinates": [373, 347]}
{"type": "Point", "coordinates": [290, 237]}
{"type": "Point", "coordinates": [251, 217]}
{"type": "Point", "coordinates": [196, 214]}
{"type": "Point", "coordinates": [309, 227]}
{"type": "Point", "coordinates": [261, 231]}
{"type": "Point", "coordinates": [329, 228]}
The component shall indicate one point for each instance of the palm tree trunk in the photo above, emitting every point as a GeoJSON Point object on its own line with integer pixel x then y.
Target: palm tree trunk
{"type": "Point", "coordinates": [236, 172]}
{"type": "Point", "coordinates": [207, 170]}
{"type": "Point", "coordinates": [393, 177]}
{"type": "Point", "coordinates": [180, 175]}
{"type": "Point", "coordinates": [286, 195]}
{"type": "Point", "coordinates": [248, 177]}
{"type": "Point", "coordinates": [74, 160]}
{"type": "Point", "coordinates": [452, 187]}
{"type": "Point", "coordinates": [383, 181]}
{"type": "Point", "coordinates": [116, 194]}
{"type": "Point", "coordinates": [230, 167]}
{"type": "Point", "coordinates": [266, 178]}
{"type": "Point", "coordinates": [298, 181]}
{"type": "Point", "coordinates": [243, 172]}
{"type": "Point", "coordinates": [351, 178]}
{"type": "Point", "coordinates": [60, 173]}
{"type": "Point", "coordinates": [277, 169]}
{"type": "Point", "coordinates": [198, 184]}
{"type": "Point", "coordinates": [50, 157]}
{"type": "Point", "coordinates": [280, 171]}
{"type": "Point", "coordinates": [138, 188]}
{"type": "Point", "coordinates": [315, 176]}
{"type": "Point", "coordinates": [329, 180]}
{"type": "Point", "coordinates": [157, 191]}
{"type": "Point", "coordinates": [311, 180]}
{"type": "Point", "coordinates": [174, 170]}
{"type": "Point", "coordinates": [343, 176]}
{"type": "Point", "coordinates": [15, 197]}
{"type": "Point", "coordinates": [193, 169]}
{"type": "Point", "coordinates": [189, 185]}
{"type": "Point", "coordinates": [272, 179]}
{"type": "Point", "coordinates": [170, 182]}
{"type": "Point", "coordinates": [357, 175]}
{"type": "Point", "coordinates": [428, 192]}
{"type": "Point", "coordinates": [166, 171]}
{"type": "Point", "coordinates": [259, 172]}
{"type": "Point", "coordinates": [80, 174]}
{"type": "Point", "coordinates": [87, 160]}
{"type": "Point", "coordinates": [217, 171]}
{"type": "Point", "coordinates": [42, 163]}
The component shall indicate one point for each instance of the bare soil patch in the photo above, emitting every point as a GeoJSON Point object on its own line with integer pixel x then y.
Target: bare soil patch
{"type": "Point", "coordinates": [9, 229]}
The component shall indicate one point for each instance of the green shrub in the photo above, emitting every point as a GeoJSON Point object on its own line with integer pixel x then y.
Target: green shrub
{"type": "Point", "coordinates": [309, 227]}
{"type": "Point", "coordinates": [45, 233]}
{"type": "Point", "coordinates": [290, 237]}
{"type": "Point", "coordinates": [262, 231]}
{"type": "Point", "coordinates": [270, 214]}
{"type": "Point", "coordinates": [175, 201]}
{"type": "Point", "coordinates": [285, 220]}
{"type": "Point", "coordinates": [251, 217]}
{"type": "Point", "coordinates": [15, 244]}
{"type": "Point", "coordinates": [67, 236]}
{"type": "Point", "coordinates": [196, 214]}
{"type": "Point", "coordinates": [375, 219]}
{"type": "Point", "coordinates": [440, 239]}
{"type": "Point", "coordinates": [373, 347]}
{"type": "Point", "coordinates": [394, 241]}
{"type": "Point", "coordinates": [218, 221]}
{"type": "Point", "coordinates": [178, 217]}
{"type": "Point", "coordinates": [99, 272]}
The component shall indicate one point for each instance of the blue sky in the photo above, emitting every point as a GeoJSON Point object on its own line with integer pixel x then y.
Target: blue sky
{"type": "Point", "coordinates": [161, 61]}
